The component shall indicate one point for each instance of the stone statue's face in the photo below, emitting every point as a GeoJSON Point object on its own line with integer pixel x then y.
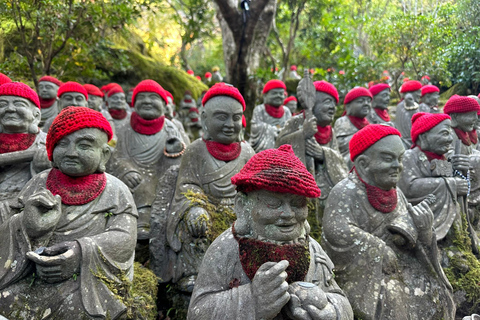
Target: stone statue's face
{"type": "Point", "coordinates": [222, 119]}
{"type": "Point", "coordinates": [47, 90]}
{"type": "Point", "coordinates": [381, 164]}
{"type": "Point", "coordinates": [431, 99]}
{"type": "Point", "coordinates": [324, 108]}
{"type": "Point", "coordinates": [359, 107]}
{"type": "Point", "coordinates": [117, 101]}
{"type": "Point", "coordinates": [75, 99]}
{"type": "Point", "coordinates": [438, 139]}
{"type": "Point", "coordinates": [275, 97]}
{"type": "Point", "coordinates": [94, 102]}
{"type": "Point", "coordinates": [82, 152]}
{"type": "Point", "coordinates": [129, 97]}
{"type": "Point", "coordinates": [149, 105]}
{"type": "Point", "coordinates": [381, 100]}
{"type": "Point", "coordinates": [277, 216]}
{"type": "Point", "coordinates": [464, 121]}
{"type": "Point", "coordinates": [17, 114]}
{"type": "Point", "coordinates": [292, 105]}
{"type": "Point", "coordinates": [417, 95]}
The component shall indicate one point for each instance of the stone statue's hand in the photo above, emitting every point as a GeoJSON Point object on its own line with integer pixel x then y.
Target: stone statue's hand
{"type": "Point", "coordinates": [196, 220]}
{"type": "Point", "coordinates": [462, 186]}
{"type": "Point", "coordinates": [460, 162]}
{"type": "Point", "coordinates": [422, 216]}
{"type": "Point", "coordinates": [132, 179]}
{"type": "Point", "coordinates": [309, 302]}
{"type": "Point", "coordinates": [269, 289]}
{"type": "Point", "coordinates": [313, 149]}
{"type": "Point", "coordinates": [390, 262]}
{"type": "Point", "coordinates": [58, 262]}
{"type": "Point", "coordinates": [40, 161]}
{"type": "Point", "coordinates": [310, 127]}
{"type": "Point", "coordinates": [42, 213]}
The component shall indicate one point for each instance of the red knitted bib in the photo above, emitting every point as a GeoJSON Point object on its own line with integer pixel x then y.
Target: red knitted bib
{"type": "Point", "coordinates": [223, 152]}
{"type": "Point", "coordinates": [464, 136]}
{"type": "Point", "coordinates": [118, 114]}
{"type": "Point", "coordinates": [324, 134]}
{"type": "Point", "coordinates": [359, 123]}
{"type": "Point", "coordinates": [431, 155]}
{"type": "Point", "coordinates": [46, 103]}
{"type": "Point", "coordinates": [76, 191]}
{"type": "Point", "coordinates": [382, 200]}
{"type": "Point", "coordinates": [473, 136]}
{"type": "Point", "coordinates": [147, 127]}
{"type": "Point", "coordinates": [382, 113]}
{"type": "Point", "coordinates": [11, 142]}
{"type": "Point", "coordinates": [276, 112]}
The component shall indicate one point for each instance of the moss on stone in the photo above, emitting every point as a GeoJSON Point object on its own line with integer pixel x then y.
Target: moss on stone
{"type": "Point", "coordinates": [313, 220]}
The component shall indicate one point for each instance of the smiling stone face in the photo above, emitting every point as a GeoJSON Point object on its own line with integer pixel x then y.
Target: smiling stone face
{"type": "Point", "coordinates": [17, 114]}
{"type": "Point", "coordinates": [149, 105]}
{"type": "Point", "coordinates": [359, 107]}
{"type": "Point", "coordinates": [222, 119]}
{"type": "Point", "coordinates": [275, 97]}
{"type": "Point", "coordinates": [324, 108]}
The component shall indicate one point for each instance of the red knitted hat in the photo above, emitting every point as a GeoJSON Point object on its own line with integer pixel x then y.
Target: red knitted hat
{"type": "Point", "coordinates": [376, 89]}
{"type": "Point", "coordinates": [4, 79]}
{"type": "Point", "coordinates": [426, 77]}
{"type": "Point", "coordinates": [20, 90]}
{"type": "Point", "coordinates": [190, 72]}
{"type": "Point", "coordinates": [411, 85]}
{"type": "Point", "coordinates": [208, 74]}
{"type": "Point", "coordinates": [356, 93]}
{"type": "Point", "coordinates": [72, 86]}
{"type": "Point", "coordinates": [423, 122]}
{"type": "Point", "coordinates": [293, 68]}
{"type": "Point", "coordinates": [115, 89]}
{"type": "Point", "coordinates": [429, 88]}
{"type": "Point", "coordinates": [107, 87]}
{"type": "Point", "coordinates": [324, 86]}
{"type": "Point", "coordinates": [276, 170]}
{"type": "Point", "coordinates": [223, 89]}
{"type": "Point", "coordinates": [93, 90]}
{"type": "Point", "coordinates": [72, 119]}
{"type": "Point", "coordinates": [368, 136]}
{"type": "Point", "coordinates": [51, 79]}
{"type": "Point", "coordinates": [459, 104]}
{"type": "Point", "coordinates": [274, 84]}
{"type": "Point", "coordinates": [291, 98]}
{"type": "Point", "coordinates": [149, 86]}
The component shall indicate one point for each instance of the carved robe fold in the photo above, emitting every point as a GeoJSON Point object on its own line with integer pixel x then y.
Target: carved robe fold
{"type": "Point", "coordinates": [344, 131]}
{"type": "Point", "coordinates": [265, 128]}
{"type": "Point", "coordinates": [403, 123]}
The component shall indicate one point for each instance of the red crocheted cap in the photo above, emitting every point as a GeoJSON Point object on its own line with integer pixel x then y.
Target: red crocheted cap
{"type": "Point", "coordinates": [149, 86]}
{"type": "Point", "coordinates": [426, 77]}
{"type": "Point", "coordinates": [327, 87]}
{"type": "Point", "coordinates": [51, 79]}
{"type": "Point", "coordinates": [423, 122]}
{"type": "Point", "coordinates": [93, 90]}
{"type": "Point", "coordinates": [276, 170]}
{"type": "Point", "coordinates": [291, 98]}
{"type": "Point", "coordinates": [293, 68]}
{"type": "Point", "coordinates": [459, 104]}
{"type": "Point", "coordinates": [356, 93]}
{"type": "Point", "coordinates": [115, 89]}
{"type": "Point", "coordinates": [411, 85]}
{"type": "Point", "coordinates": [274, 84]}
{"type": "Point", "coordinates": [190, 72]}
{"type": "Point", "coordinates": [72, 119]}
{"type": "Point", "coordinates": [223, 89]}
{"type": "Point", "coordinates": [376, 89]}
{"type": "Point", "coordinates": [429, 88]}
{"type": "Point", "coordinates": [20, 90]}
{"type": "Point", "coordinates": [4, 79]}
{"type": "Point", "coordinates": [208, 74]}
{"type": "Point", "coordinates": [368, 136]}
{"type": "Point", "coordinates": [72, 86]}
{"type": "Point", "coordinates": [107, 87]}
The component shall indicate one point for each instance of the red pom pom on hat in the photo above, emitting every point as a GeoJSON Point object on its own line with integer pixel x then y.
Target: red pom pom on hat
{"type": "Point", "coordinates": [72, 119]}
{"type": "Point", "coordinates": [291, 98]}
{"type": "Point", "coordinates": [376, 89]}
{"type": "Point", "coordinates": [368, 136]}
{"type": "Point", "coordinates": [93, 90]}
{"type": "Point", "coordinates": [51, 79]}
{"type": "Point", "coordinates": [4, 79]}
{"type": "Point", "coordinates": [19, 89]}
{"type": "Point", "coordinates": [208, 75]}
{"type": "Point", "coordinates": [274, 84]}
{"type": "Point", "coordinates": [223, 89]}
{"type": "Point", "coordinates": [429, 88]}
{"type": "Point", "coordinates": [328, 88]}
{"type": "Point", "coordinates": [276, 170]}
{"type": "Point", "coordinates": [72, 86]}
{"type": "Point", "coordinates": [459, 104]}
{"type": "Point", "coordinates": [410, 86]}
{"type": "Point", "coordinates": [356, 93]}
{"type": "Point", "coordinates": [293, 68]}
{"type": "Point", "coordinates": [190, 72]}
{"type": "Point", "coordinates": [423, 122]}
{"type": "Point", "coordinates": [149, 86]}
{"type": "Point", "coordinates": [115, 89]}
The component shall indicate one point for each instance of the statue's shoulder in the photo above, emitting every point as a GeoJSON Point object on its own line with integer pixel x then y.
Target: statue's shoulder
{"type": "Point", "coordinates": [343, 126]}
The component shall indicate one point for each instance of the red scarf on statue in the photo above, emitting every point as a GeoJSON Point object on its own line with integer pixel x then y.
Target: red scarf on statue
{"type": "Point", "coordinates": [11, 142]}
{"type": "Point", "coordinates": [118, 114]}
{"type": "Point", "coordinates": [464, 136]}
{"type": "Point", "coordinates": [382, 200]}
{"type": "Point", "coordinates": [431, 155]}
{"type": "Point", "coordinates": [223, 152]}
{"type": "Point", "coordinates": [46, 103]}
{"type": "Point", "coordinates": [276, 112]}
{"type": "Point", "coordinates": [359, 123]}
{"type": "Point", "coordinates": [473, 136]}
{"type": "Point", "coordinates": [146, 127]}
{"type": "Point", "coordinates": [324, 134]}
{"type": "Point", "coordinates": [382, 113]}
{"type": "Point", "coordinates": [76, 191]}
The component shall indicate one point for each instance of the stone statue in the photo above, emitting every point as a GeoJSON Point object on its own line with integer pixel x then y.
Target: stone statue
{"type": "Point", "coordinates": [22, 144]}
{"type": "Point", "coordinates": [384, 249]}
{"type": "Point", "coordinates": [425, 80]}
{"type": "Point", "coordinates": [430, 97]}
{"type": "Point", "coordinates": [129, 97]}
{"type": "Point", "coordinates": [95, 102]}
{"type": "Point", "coordinates": [147, 146]}
{"type": "Point", "coordinates": [67, 250]}
{"type": "Point", "coordinates": [357, 103]}
{"type": "Point", "coordinates": [293, 73]}
{"type": "Point", "coordinates": [47, 93]}
{"type": "Point", "coordinates": [381, 99]}
{"type": "Point", "coordinates": [117, 106]}
{"type": "Point", "coordinates": [266, 266]}
{"type": "Point", "coordinates": [70, 94]}
{"type": "Point", "coordinates": [208, 78]}
{"type": "Point", "coordinates": [410, 93]}
{"type": "Point", "coordinates": [170, 114]}
{"type": "Point", "coordinates": [270, 117]}
{"type": "Point", "coordinates": [291, 103]}
{"type": "Point", "coordinates": [216, 76]}
{"type": "Point", "coordinates": [189, 116]}
{"type": "Point", "coordinates": [4, 79]}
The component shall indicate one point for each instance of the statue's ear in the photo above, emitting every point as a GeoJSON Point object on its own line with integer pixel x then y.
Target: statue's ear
{"type": "Point", "coordinates": [37, 116]}
{"type": "Point", "coordinates": [106, 153]}
{"type": "Point", "coordinates": [242, 224]}
{"type": "Point", "coordinates": [362, 162]}
{"type": "Point", "coordinates": [454, 120]}
{"type": "Point", "coordinates": [347, 108]}
{"type": "Point", "coordinates": [203, 116]}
